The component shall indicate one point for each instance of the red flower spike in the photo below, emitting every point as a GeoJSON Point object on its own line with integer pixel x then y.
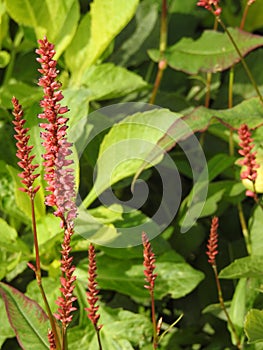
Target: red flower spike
{"type": "Point", "coordinates": [51, 340]}
{"type": "Point", "coordinates": [212, 242]}
{"type": "Point", "coordinates": [23, 150]}
{"type": "Point", "coordinates": [149, 260]}
{"type": "Point", "coordinates": [249, 157]}
{"type": "Point", "coordinates": [211, 5]}
{"type": "Point", "coordinates": [59, 177]}
{"type": "Point", "coordinates": [93, 291]}
{"type": "Point", "coordinates": [66, 300]}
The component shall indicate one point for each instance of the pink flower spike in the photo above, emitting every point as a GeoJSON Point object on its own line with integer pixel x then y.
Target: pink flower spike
{"type": "Point", "coordinates": [23, 151]}
{"type": "Point", "coordinates": [149, 261]}
{"type": "Point", "coordinates": [249, 157]}
{"type": "Point", "coordinates": [93, 291]}
{"type": "Point", "coordinates": [66, 300]}
{"type": "Point", "coordinates": [59, 177]}
{"type": "Point", "coordinates": [211, 5]}
{"type": "Point", "coordinates": [212, 242]}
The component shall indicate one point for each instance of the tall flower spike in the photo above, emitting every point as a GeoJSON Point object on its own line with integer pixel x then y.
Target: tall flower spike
{"type": "Point", "coordinates": [93, 291]}
{"type": "Point", "coordinates": [65, 302]}
{"type": "Point", "coordinates": [249, 157]}
{"type": "Point", "coordinates": [212, 242]}
{"type": "Point", "coordinates": [211, 5]}
{"type": "Point", "coordinates": [148, 262]}
{"type": "Point", "coordinates": [23, 150]}
{"type": "Point", "coordinates": [59, 176]}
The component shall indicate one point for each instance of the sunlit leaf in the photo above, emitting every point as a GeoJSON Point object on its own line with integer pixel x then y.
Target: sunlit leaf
{"type": "Point", "coordinates": [57, 20]}
{"type": "Point", "coordinates": [202, 55]}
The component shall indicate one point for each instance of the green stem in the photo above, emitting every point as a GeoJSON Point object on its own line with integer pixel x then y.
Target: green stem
{"type": "Point", "coordinates": [244, 227]}
{"type": "Point", "coordinates": [230, 105]}
{"type": "Point", "coordinates": [162, 47]}
{"type": "Point", "coordinates": [249, 74]}
{"type": "Point", "coordinates": [10, 67]}
{"type": "Point", "coordinates": [244, 17]}
{"type": "Point", "coordinates": [209, 78]}
{"type": "Point", "coordinates": [154, 323]}
{"type": "Point", "coordinates": [223, 307]}
{"type": "Point", "coordinates": [37, 271]}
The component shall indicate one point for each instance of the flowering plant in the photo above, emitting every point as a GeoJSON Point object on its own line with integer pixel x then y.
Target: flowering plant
{"type": "Point", "coordinates": [119, 174]}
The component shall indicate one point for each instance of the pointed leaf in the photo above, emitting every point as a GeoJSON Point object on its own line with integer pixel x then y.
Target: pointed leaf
{"type": "Point", "coordinates": [26, 317]}
{"type": "Point", "coordinates": [126, 276]}
{"type": "Point", "coordinates": [254, 326]}
{"type": "Point", "coordinates": [212, 52]}
{"type": "Point", "coordinates": [127, 146]}
{"type": "Point", "coordinates": [55, 19]}
{"type": "Point", "coordinates": [249, 266]}
{"type": "Point", "coordinates": [105, 20]}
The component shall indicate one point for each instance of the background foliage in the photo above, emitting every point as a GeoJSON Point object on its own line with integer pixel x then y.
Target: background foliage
{"type": "Point", "coordinates": [107, 53]}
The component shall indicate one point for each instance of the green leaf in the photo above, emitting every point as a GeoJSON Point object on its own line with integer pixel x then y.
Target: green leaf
{"type": "Point", "coordinates": [249, 112]}
{"type": "Point", "coordinates": [249, 266]}
{"type": "Point", "coordinates": [195, 203]}
{"type": "Point", "coordinates": [107, 18]}
{"type": "Point", "coordinates": [22, 198]}
{"type": "Point", "coordinates": [126, 276]}
{"type": "Point", "coordinates": [139, 36]}
{"type": "Point", "coordinates": [255, 229]}
{"type": "Point", "coordinates": [6, 330]}
{"type": "Point", "coordinates": [122, 227]}
{"type": "Point", "coordinates": [202, 55]}
{"type": "Point", "coordinates": [107, 81]}
{"type": "Point", "coordinates": [25, 93]}
{"type": "Point", "coordinates": [4, 58]}
{"type": "Point", "coordinates": [254, 326]}
{"type": "Point", "coordinates": [238, 309]}
{"type": "Point", "coordinates": [227, 190]}
{"type": "Point", "coordinates": [57, 20]}
{"type": "Point", "coordinates": [121, 329]}
{"type": "Point", "coordinates": [26, 317]}
{"type": "Point", "coordinates": [51, 287]}
{"type": "Point", "coordinates": [126, 147]}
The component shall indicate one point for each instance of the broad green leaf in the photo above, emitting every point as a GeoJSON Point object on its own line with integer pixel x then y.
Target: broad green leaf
{"type": "Point", "coordinates": [127, 146]}
{"type": "Point", "coordinates": [126, 276]}
{"type": "Point", "coordinates": [57, 20]}
{"type": "Point", "coordinates": [249, 266]}
{"type": "Point", "coordinates": [121, 228]}
{"type": "Point", "coordinates": [51, 287]}
{"type": "Point", "coordinates": [202, 55]}
{"type": "Point", "coordinates": [139, 36]}
{"type": "Point", "coordinates": [238, 309]}
{"type": "Point", "coordinates": [254, 326]}
{"type": "Point", "coordinates": [22, 198]}
{"type": "Point", "coordinates": [195, 203]}
{"type": "Point", "coordinates": [249, 112]}
{"type": "Point", "coordinates": [107, 81]}
{"type": "Point", "coordinates": [121, 329]}
{"type": "Point", "coordinates": [227, 190]}
{"type": "Point", "coordinates": [255, 229]}
{"type": "Point", "coordinates": [26, 317]}
{"type": "Point", "coordinates": [107, 19]}
{"type": "Point", "coordinates": [6, 330]}
{"type": "Point", "coordinates": [25, 93]}
{"type": "Point", "coordinates": [10, 241]}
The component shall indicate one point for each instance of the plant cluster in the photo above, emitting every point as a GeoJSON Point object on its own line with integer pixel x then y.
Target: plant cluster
{"type": "Point", "coordinates": [118, 95]}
